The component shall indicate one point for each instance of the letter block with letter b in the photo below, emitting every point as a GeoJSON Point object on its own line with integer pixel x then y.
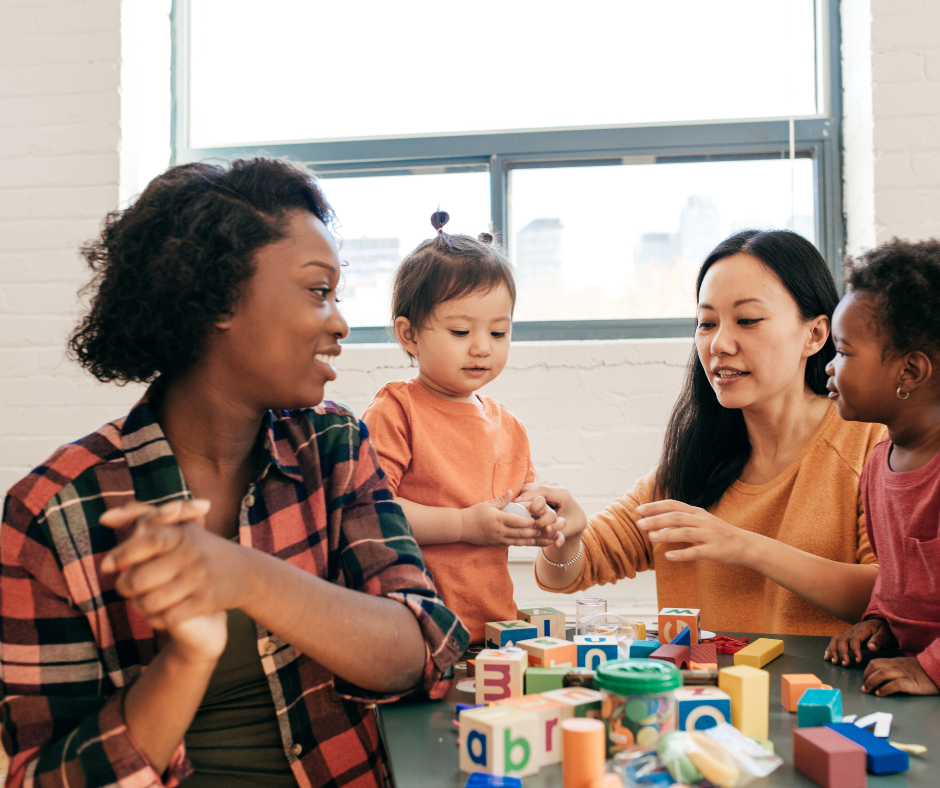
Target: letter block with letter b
{"type": "Point", "coordinates": [549, 622]}
{"type": "Point", "coordinates": [549, 713]}
{"type": "Point", "coordinates": [702, 707]}
{"type": "Point", "coordinates": [594, 650]}
{"type": "Point", "coordinates": [550, 652]}
{"type": "Point", "coordinates": [500, 634]}
{"type": "Point", "coordinates": [499, 740]}
{"type": "Point", "coordinates": [672, 620]}
{"type": "Point", "coordinates": [500, 674]}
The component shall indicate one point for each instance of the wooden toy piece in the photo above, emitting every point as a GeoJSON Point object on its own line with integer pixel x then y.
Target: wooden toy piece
{"type": "Point", "coordinates": [677, 655]}
{"type": "Point", "coordinates": [827, 759]}
{"type": "Point", "coordinates": [749, 689]}
{"type": "Point", "coordinates": [849, 717]}
{"type": "Point", "coordinates": [819, 706]}
{"type": "Point", "coordinates": [759, 653]}
{"type": "Point", "coordinates": [880, 756]}
{"type": "Point", "coordinates": [549, 713]}
{"type": "Point", "coordinates": [879, 722]}
{"type": "Point", "coordinates": [640, 630]}
{"type": "Point", "coordinates": [792, 687]}
{"type": "Point", "coordinates": [471, 668]}
{"type": "Point", "coordinates": [910, 749]}
{"type": "Point", "coordinates": [684, 638]}
{"type": "Point", "coordinates": [484, 780]}
{"type": "Point", "coordinates": [703, 656]}
{"type": "Point", "coordinates": [701, 707]}
{"type": "Point", "coordinates": [500, 634]}
{"type": "Point", "coordinates": [585, 752]}
{"type": "Point", "coordinates": [499, 740]}
{"type": "Point", "coordinates": [729, 645]}
{"type": "Point", "coordinates": [549, 622]}
{"type": "Point", "coordinates": [550, 652]}
{"type": "Point", "coordinates": [500, 674]}
{"type": "Point", "coordinates": [585, 702]}
{"type": "Point", "coordinates": [641, 649]}
{"type": "Point", "coordinates": [594, 650]}
{"type": "Point", "coordinates": [697, 678]}
{"type": "Point", "coordinates": [544, 679]}
{"type": "Point", "coordinates": [672, 619]}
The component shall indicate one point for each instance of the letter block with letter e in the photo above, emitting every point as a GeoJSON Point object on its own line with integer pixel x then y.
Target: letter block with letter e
{"type": "Point", "coordinates": [702, 707]}
{"type": "Point", "coordinates": [500, 634]}
{"type": "Point", "coordinates": [500, 674]}
{"type": "Point", "coordinates": [585, 702]}
{"type": "Point", "coordinates": [550, 652]}
{"type": "Point", "coordinates": [673, 619]}
{"type": "Point", "coordinates": [549, 713]}
{"type": "Point", "coordinates": [499, 740]}
{"type": "Point", "coordinates": [594, 650]}
{"type": "Point", "coordinates": [549, 622]}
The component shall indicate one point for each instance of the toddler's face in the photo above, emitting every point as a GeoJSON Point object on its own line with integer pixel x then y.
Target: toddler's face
{"type": "Point", "coordinates": [465, 343]}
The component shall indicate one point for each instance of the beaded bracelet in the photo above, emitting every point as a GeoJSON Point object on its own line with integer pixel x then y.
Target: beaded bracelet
{"type": "Point", "coordinates": [567, 563]}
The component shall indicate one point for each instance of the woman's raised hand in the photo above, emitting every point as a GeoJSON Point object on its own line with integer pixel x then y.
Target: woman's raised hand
{"type": "Point", "coordinates": [177, 575]}
{"type": "Point", "coordinates": [558, 499]}
{"type": "Point", "coordinates": [711, 538]}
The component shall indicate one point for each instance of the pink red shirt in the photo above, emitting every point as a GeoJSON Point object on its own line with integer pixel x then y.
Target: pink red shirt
{"type": "Point", "coordinates": [903, 521]}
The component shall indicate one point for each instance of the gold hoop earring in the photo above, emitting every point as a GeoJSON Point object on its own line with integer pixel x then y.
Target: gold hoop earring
{"type": "Point", "coordinates": [906, 394]}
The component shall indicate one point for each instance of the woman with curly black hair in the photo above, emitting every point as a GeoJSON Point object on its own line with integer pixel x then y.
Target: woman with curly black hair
{"type": "Point", "coordinates": [233, 534]}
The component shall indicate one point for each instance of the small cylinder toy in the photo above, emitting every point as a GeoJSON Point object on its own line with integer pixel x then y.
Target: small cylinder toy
{"type": "Point", "coordinates": [583, 752]}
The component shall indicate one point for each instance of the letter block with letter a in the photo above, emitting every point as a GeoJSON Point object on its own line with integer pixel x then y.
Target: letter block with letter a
{"type": "Point", "coordinates": [672, 620]}
{"type": "Point", "coordinates": [549, 622]}
{"type": "Point", "coordinates": [550, 652]}
{"type": "Point", "coordinates": [549, 713]}
{"type": "Point", "coordinates": [499, 740]}
{"type": "Point", "coordinates": [500, 674]}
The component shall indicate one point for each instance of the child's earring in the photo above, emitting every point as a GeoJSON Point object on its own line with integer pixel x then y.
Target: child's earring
{"type": "Point", "coordinates": [906, 393]}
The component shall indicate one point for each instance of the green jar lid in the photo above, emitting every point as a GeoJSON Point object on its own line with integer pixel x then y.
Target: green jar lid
{"type": "Point", "coordinates": [637, 676]}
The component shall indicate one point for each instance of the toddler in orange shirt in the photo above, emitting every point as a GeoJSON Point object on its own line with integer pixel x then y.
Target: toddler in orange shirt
{"type": "Point", "coordinates": [454, 458]}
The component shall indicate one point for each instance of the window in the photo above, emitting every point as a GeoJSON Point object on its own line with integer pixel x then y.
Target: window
{"type": "Point", "coordinates": [608, 145]}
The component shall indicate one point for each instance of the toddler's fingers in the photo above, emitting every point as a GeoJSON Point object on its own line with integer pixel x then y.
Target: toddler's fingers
{"type": "Point", "coordinates": [880, 639]}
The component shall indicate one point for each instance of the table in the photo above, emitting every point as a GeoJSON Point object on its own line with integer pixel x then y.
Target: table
{"type": "Point", "coordinates": [420, 738]}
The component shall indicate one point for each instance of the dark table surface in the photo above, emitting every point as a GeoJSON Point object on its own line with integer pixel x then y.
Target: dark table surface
{"type": "Point", "coordinates": [421, 738]}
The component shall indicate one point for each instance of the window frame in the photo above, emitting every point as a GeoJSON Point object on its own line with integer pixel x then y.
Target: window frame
{"type": "Point", "coordinates": [816, 136]}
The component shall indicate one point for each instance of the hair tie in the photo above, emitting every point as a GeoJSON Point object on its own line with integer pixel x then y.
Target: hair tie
{"type": "Point", "coordinates": [438, 219]}
{"type": "Point", "coordinates": [485, 237]}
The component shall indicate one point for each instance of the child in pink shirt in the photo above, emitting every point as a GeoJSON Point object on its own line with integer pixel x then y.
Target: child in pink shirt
{"type": "Point", "coordinates": [887, 370]}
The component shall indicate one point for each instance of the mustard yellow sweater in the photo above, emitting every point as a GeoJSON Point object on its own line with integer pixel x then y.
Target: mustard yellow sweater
{"type": "Point", "coordinates": [813, 505]}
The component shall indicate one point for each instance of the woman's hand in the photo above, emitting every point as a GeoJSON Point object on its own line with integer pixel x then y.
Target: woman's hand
{"type": "Point", "coordinates": [485, 524]}
{"type": "Point", "coordinates": [177, 575]}
{"type": "Point", "coordinates": [558, 499]}
{"type": "Point", "coordinates": [873, 633]}
{"type": "Point", "coordinates": [669, 522]}
{"type": "Point", "coordinates": [899, 674]}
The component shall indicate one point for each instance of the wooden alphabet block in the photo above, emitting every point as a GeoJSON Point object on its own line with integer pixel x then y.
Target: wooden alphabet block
{"type": "Point", "coordinates": [499, 740]}
{"type": "Point", "coordinates": [749, 689]}
{"type": "Point", "coordinates": [549, 622]}
{"type": "Point", "coordinates": [499, 634]}
{"type": "Point", "coordinates": [641, 649]}
{"type": "Point", "coordinates": [500, 674]}
{"type": "Point", "coordinates": [549, 714]}
{"type": "Point", "coordinates": [640, 630]}
{"type": "Point", "coordinates": [828, 759]}
{"type": "Point", "coordinates": [594, 650]}
{"type": "Point", "coordinates": [545, 679]}
{"type": "Point", "coordinates": [673, 619]}
{"type": "Point", "coordinates": [703, 656]}
{"type": "Point", "coordinates": [585, 702]}
{"type": "Point", "coordinates": [701, 707]}
{"type": "Point", "coordinates": [677, 655]}
{"type": "Point", "coordinates": [545, 652]}
{"type": "Point", "coordinates": [880, 756]}
{"type": "Point", "coordinates": [819, 706]}
{"type": "Point", "coordinates": [793, 685]}
{"type": "Point", "coordinates": [759, 653]}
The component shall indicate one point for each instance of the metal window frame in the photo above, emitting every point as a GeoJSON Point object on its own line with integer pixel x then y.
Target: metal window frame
{"type": "Point", "coordinates": [818, 136]}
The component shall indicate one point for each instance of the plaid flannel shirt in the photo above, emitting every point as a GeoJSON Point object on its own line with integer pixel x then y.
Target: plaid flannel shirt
{"type": "Point", "coordinates": [70, 645]}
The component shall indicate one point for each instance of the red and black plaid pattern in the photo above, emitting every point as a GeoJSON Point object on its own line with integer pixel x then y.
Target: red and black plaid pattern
{"type": "Point", "coordinates": [70, 645]}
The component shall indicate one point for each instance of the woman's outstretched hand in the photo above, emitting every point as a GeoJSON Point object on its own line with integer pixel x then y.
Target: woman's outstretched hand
{"type": "Point", "coordinates": [711, 538]}
{"type": "Point", "coordinates": [541, 495]}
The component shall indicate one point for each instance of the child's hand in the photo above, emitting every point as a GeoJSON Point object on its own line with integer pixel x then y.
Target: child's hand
{"type": "Point", "coordinates": [485, 524]}
{"type": "Point", "coordinates": [899, 674]}
{"type": "Point", "coordinates": [548, 520]}
{"type": "Point", "coordinates": [571, 518]}
{"type": "Point", "coordinates": [873, 634]}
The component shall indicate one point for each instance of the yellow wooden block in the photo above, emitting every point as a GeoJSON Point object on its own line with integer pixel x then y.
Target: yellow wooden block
{"type": "Point", "coordinates": [749, 689]}
{"type": "Point", "coordinates": [759, 653]}
{"type": "Point", "coordinates": [640, 630]}
{"type": "Point", "coordinates": [500, 673]}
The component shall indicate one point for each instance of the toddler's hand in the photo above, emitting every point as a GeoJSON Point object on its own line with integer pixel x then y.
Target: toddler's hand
{"type": "Point", "coordinates": [873, 634]}
{"type": "Point", "coordinates": [899, 674]}
{"type": "Point", "coordinates": [547, 520]}
{"type": "Point", "coordinates": [485, 524]}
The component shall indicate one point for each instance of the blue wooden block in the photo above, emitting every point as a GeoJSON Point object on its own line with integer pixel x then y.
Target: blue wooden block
{"type": "Point", "coordinates": [594, 650]}
{"type": "Point", "coordinates": [684, 638]}
{"type": "Point", "coordinates": [484, 780]}
{"type": "Point", "coordinates": [702, 707]}
{"type": "Point", "coordinates": [880, 757]}
{"type": "Point", "coordinates": [641, 649]}
{"type": "Point", "coordinates": [819, 706]}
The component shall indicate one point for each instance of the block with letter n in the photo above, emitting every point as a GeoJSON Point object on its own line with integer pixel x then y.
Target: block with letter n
{"type": "Point", "coordinates": [504, 633]}
{"type": "Point", "coordinates": [673, 620]}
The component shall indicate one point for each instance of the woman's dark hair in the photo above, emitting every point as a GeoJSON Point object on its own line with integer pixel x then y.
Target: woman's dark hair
{"type": "Point", "coordinates": [706, 445]}
{"type": "Point", "coordinates": [172, 263]}
{"type": "Point", "coordinates": [447, 267]}
{"type": "Point", "coordinates": [902, 279]}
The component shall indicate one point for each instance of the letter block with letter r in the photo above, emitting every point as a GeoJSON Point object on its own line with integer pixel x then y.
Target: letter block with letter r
{"type": "Point", "coordinates": [549, 714]}
{"type": "Point", "coordinates": [500, 674]}
{"type": "Point", "coordinates": [499, 740]}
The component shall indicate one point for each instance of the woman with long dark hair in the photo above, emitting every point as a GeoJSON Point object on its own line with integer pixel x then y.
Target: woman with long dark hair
{"type": "Point", "coordinates": [753, 514]}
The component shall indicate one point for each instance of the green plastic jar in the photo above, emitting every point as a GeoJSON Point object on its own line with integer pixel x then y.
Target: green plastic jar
{"type": "Point", "coordinates": [638, 704]}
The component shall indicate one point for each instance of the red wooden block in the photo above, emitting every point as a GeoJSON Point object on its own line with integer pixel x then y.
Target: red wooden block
{"type": "Point", "coordinates": [704, 656]}
{"type": "Point", "coordinates": [677, 655]}
{"type": "Point", "coordinates": [831, 761]}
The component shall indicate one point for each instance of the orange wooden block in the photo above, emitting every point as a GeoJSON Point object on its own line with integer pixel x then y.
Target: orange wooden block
{"type": "Point", "coordinates": [793, 685]}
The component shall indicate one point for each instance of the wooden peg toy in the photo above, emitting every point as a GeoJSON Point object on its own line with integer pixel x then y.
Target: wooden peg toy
{"type": "Point", "coordinates": [701, 707]}
{"type": "Point", "coordinates": [549, 622]}
{"type": "Point", "coordinates": [703, 656]}
{"type": "Point", "coordinates": [673, 619]}
{"type": "Point", "coordinates": [500, 634]}
{"type": "Point", "coordinates": [549, 714]}
{"type": "Point", "coordinates": [500, 674]}
{"type": "Point", "coordinates": [585, 752]}
{"type": "Point", "coordinates": [499, 740]}
{"type": "Point", "coordinates": [880, 756]}
{"type": "Point", "coordinates": [585, 702]}
{"type": "Point", "coordinates": [677, 655]}
{"type": "Point", "coordinates": [641, 649]}
{"type": "Point", "coordinates": [546, 652]}
{"type": "Point", "coordinates": [749, 689]}
{"type": "Point", "coordinates": [793, 685]}
{"type": "Point", "coordinates": [819, 706]}
{"type": "Point", "coordinates": [594, 650]}
{"type": "Point", "coordinates": [828, 759]}
{"type": "Point", "coordinates": [759, 653]}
